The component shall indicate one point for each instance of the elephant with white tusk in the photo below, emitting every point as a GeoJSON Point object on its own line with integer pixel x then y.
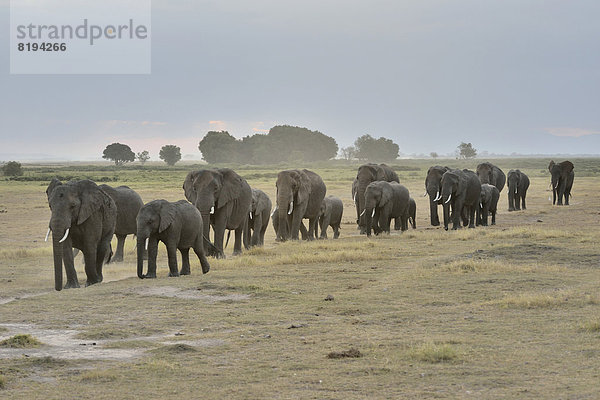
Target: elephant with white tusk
{"type": "Point", "coordinates": [518, 183]}
{"type": "Point", "coordinates": [384, 201]}
{"type": "Point", "coordinates": [433, 187]}
{"type": "Point", "coordinates": [461, 190]}
{"type": "Point", "coordinates": [83, 217]}
{"type": "Point", "coordinates": [562, 181]}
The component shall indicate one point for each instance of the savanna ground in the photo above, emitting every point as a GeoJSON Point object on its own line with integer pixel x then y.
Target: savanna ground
{"type": "Point", "coordinates": [499, 312]}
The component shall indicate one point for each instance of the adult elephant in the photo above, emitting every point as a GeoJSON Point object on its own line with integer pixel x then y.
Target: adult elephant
{"type": "Point", "coordinates": [489, 173]}
{"type": "Point", "coordinates": [460, 190]}
{"type": "Point", "coordinates": [300, 192]}
{"type": "Point", "coordinates": [128, 204]}
{"type": "Point", "coordinates": [562, 181]}
{"type": "Point", "coordinates": [330, 214]}
{"type": "Point", "coordinates": [355, 201]}
{"type": "Point", "coordinates": [433, 187]}
{"type": "Point", "coordinates": [517, 183]}
{"type": "Point", "coordinates": [223, 197]}
{"type": "Point", "coordinates": [178, 225]}
{"type": "Point", "coordinates": [83, 217]}
{"type": "Point", "coordinates": [258, 217]}
{"type": "Point", "coordinates": [384, 201]}
{"type": "Point", "coordinates": [368, 173]}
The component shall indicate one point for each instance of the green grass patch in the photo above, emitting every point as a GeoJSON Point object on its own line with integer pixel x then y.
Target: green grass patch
{"type": "Point", "coordinates": [434, 353]}
{"type": "Point", "coordinates": [21, 341]}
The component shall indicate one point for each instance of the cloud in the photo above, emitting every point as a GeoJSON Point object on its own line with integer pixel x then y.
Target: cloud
{"type": "Point", "coordinates": [216, 124]}
{"type": "Point", "coordinates": [119, 122]}
{"type": "Point", "coordinates": [259, 127]}
{"type": "Point", "coordinates": [571, 132]}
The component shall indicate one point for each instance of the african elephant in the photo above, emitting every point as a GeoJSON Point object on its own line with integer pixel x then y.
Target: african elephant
{"type": "Point", "coordinates": [488, 204]}
{"type": "Point", "coordinates": [384, 201]}
{"type": "Point", "coordinates": [489, 173]}
{"type": "Point", "coordinates": [355, 200]}
{"type": "Point", "coordinates": [178, 225]}
{"type": "Point", "coordinates": [433, 187]}
{"type": "Point", "coordinates": [83, 217]}
{"type": "Point", "coordinates": [300, 192]}
{"type": "Point", "coordinates": [562, 181]}
{"type": "Point", "coordinates": [368, 173]}
{"type": "Point", "coordinates": [128, 204]}
{"type": "Point", "coordinates": [460, 190]}
{"type": "Point", "coordinates": [412, 212]}
{"type": "Point", "coordinates": [330, 214]}
{"type": "Point", "coordinates": [258, 218]}
{"type": "Point", "coordinates": [275, 223]}
{"type": "Point", "coordinates": [518, 183]}
{"type": "Point", "coordinates": [223, 198]}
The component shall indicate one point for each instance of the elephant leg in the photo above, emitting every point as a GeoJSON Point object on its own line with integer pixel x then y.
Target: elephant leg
{"type": "Point", "coordinates": [456, 215]}
{"type": "Point", "coordinates": [172, 257]}
{"type": "Point", "coordinates": [185, 261]}
{"type": "Point", "coordinates": [484, 217]}
{"type": "Point", "coordinates": [152, 253]}
{"type": "Point", "coordinates": [398, 224]}
{"type": "Point", "coordinates": [523, 201]}
{"type": "Point", "coordinates": [324, 222]}
{"type": "Point", "coordinates": [69, 263]}
{"type": "Point", "coordinates": [237, 244]}
{"type": "Point", "coordinates": [493, 217]}
{"type": "Point", "coordinates": [336, 231]}
{"type": "Point", "coordinates": [118, 257]}
{"type": "Point", "coordinates": [303, 231]}
{"type": "Point", "coordinates": [199, 250]}
{"type": "Point", "coordinates": [90, 256]}
{"type": "Point", "coordinates": [312, 226]}
{"type": "Point", "coordinates": [404, 222]}
{"type": "Point", "coordinates": [256, 234]}
{"type": "Point", "coordinates": [472, 217]}
{"type": "Point", "coordinates": [102, 253]}
{"type": "Point", "coordinates": [219, 229]}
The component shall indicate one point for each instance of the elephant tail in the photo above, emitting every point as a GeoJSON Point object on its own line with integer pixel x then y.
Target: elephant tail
{"type": "Point", "coordinates": [211, 250]}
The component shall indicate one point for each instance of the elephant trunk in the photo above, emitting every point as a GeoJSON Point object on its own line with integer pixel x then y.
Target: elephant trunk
{"type": "Point", "coordinates": [360, 195]}
{"type": "Point", "coordinates": [285, 205]}
{"type": "Point", "coordinates": [57, 249]}
{"type": "Point", "coordinates": [368, 216]}
{"type": "Point", "coordinates": [446, 215]}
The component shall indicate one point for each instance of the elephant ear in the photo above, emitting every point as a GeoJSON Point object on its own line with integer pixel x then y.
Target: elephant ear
{"type": "Point", "coordinates": [92, 199]}
{"type": "Point", "coordinates": [386, 194]}
{"type": "Point", "coordinates": [567, 167]}
{"type": "Point", "coordinates": [54, 183]}
{"type": "Point", "coordinates": [550, 165]}
{"type": "Point", "coordinates": [231, 187]}
{"type": "Point", "coordinates": [303, 185]}
{"type": "Point", "coordinates": [379, 173]}
{"type": "Point", "coordinates": [188, 186]}
{"type": "Point", "coordinates": [167, 216]}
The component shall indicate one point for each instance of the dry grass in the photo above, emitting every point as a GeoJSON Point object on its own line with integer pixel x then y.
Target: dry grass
{"type": "Point", "coordinates": [20, 342]}
{"type": "Point", "coordinates": [516, 295]}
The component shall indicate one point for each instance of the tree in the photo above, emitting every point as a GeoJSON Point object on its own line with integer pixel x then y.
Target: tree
{"type": "Point", "coordinates": [348, 153]}
{"type": "Point", "coordinates": [170, 154]}
{"type": "Point", "coordinates": [143, 156]}
{"type": "Point", "coordinates": [382, 149]}
{"type": "Point", "coordinates": [218, 147]}
{"type": "Point", "coordinates": [119, 153]}
{"type": "Point", "coordinates": [12, 168]}
{"type": "Point", "coordinates": [433, 155]}
{"type": "Point", "coordinates": [466, 150]}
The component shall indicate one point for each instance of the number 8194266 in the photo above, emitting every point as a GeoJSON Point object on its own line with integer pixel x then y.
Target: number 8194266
{"type": "Point", "coordinates": [45, 46]}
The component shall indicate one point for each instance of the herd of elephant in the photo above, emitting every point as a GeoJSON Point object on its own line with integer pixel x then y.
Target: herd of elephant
{"type": "Point", "coordinates": [85, 216]}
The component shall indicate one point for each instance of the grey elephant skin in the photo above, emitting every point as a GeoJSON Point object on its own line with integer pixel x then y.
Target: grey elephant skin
{"type": "Point", "coordinates": [517, 183]}
{"type": "Point", "coordinates": [128, 204]}
{"type": "Point", "coordinates": [433, 187]}
{"type": "Point", "coordinates": [563, 175]}
{"type": "Point", "coordinates": [488, 204]}
{"type": "Point", "coordinates": [330, 215]}
{"type": "Point", "coordinates": [275, 223]}
{"type": "Point", "coordinates": [258, 217]}
{"type": "Point", "coordinates": [179, 226]}
{"type": "Point", "coordinates": [384, 201]}
{"type": "Point", "coordinates": [223, 198]}
{"type": "Point", "coordinates": [300, 192]}
{"type": "Point", "coordinates": [412, 212]}
{"type": "Point", "coordinates": [355, 201]}
{"type": "Point", "coordinates": [489, 173]}
{"type": "Point", "coordinates": [83, 217]}
{"type": "Point", "coordinates": [366, 174]}
{"type": "Point", "coordinates": [460, 190]}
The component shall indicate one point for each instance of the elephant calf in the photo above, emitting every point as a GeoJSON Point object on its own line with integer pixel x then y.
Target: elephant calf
{"type": "Point", "coordinates": [258, 218]}
{"type": "Point", "coordinates": [488, 204]}
{"type": "Point", "coordinates": [330, 214]}
{"type": "Point", "coordinates": [179, 226]}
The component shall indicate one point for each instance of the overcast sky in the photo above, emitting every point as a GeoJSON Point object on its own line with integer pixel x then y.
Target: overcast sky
{"type": "Point", "coordinates": [507, 75]}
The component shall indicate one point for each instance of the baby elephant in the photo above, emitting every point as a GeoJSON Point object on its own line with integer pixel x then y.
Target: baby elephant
{"type": "Point", "coordinates": [412, 213]}
{"type": "Point", "coordinates": [258, 218]}
{"type": "Point", "coordinates": [330, 214]}
{"type": "Point", "coordinates": [179, 226]}
{"type": "Point", "coordinates": [488, 203]}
